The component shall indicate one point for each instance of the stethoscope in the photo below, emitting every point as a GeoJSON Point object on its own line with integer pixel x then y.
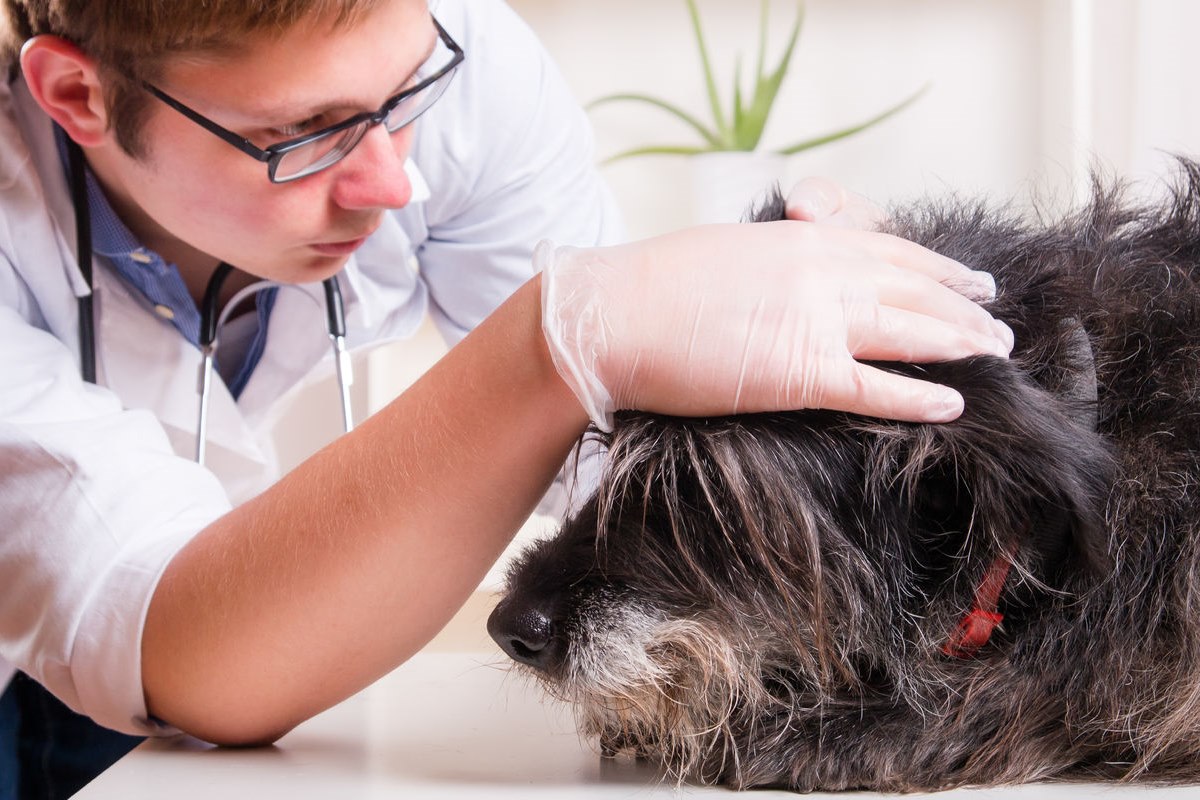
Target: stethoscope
{"type": "Point", "coordinates": [211, 320]}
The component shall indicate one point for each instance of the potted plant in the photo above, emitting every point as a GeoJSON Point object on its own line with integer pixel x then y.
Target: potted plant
{"type": "Point", "coordinates": [721, 164]}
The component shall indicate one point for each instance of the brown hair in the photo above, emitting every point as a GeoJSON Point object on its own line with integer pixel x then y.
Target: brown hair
{"type": "Point", "coordinates": [131, 39]}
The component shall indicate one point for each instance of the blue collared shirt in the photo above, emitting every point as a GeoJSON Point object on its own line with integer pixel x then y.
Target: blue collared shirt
{"type": "Point", "coordinates": [159, 281]}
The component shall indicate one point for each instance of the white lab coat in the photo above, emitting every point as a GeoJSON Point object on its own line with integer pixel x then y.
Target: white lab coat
{"type": "Point", "coordinates": [97, 487]}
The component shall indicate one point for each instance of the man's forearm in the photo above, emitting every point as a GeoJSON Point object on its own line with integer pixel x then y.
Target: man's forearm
{"type": "Point", "coordinates": [354, 560]}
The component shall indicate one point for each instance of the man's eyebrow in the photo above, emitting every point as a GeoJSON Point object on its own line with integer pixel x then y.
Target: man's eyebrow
{"type": "Point", "coordinates": [289, 114]}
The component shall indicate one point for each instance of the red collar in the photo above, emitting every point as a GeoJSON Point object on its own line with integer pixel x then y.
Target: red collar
{"type": "Point", "coordinates": [976, 626]}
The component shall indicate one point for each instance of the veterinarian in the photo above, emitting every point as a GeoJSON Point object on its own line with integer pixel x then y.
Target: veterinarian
{"type": "Point", "coordinates": [153, 594]}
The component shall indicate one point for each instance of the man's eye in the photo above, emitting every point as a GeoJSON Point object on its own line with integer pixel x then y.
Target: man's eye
{"type": "Point", "coordinates": [295, 129]}
{"type": "Point", "coordinates": [292, 130]}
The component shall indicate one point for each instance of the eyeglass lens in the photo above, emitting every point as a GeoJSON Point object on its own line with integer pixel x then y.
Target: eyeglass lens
{"type": "Point", "coordinates": [325, 151]}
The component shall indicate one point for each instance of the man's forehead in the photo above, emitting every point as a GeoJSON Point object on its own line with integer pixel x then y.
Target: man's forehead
{"type": "Point", "coordinates": [312, 68]}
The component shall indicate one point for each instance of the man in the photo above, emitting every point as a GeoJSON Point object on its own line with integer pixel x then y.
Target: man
{"type": "Point", "coordinates": [151, 593]}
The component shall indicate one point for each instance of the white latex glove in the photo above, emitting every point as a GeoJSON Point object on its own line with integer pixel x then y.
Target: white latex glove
{"type": "Point", "coordinates": [725, 319]}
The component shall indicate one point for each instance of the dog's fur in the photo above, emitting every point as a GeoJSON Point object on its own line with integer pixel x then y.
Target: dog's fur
{"type": "Point", "coordinates": [766, 600]}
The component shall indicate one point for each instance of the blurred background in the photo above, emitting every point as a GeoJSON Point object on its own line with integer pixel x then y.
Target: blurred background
{"type": "Point", "coordinates": [1024, 95]}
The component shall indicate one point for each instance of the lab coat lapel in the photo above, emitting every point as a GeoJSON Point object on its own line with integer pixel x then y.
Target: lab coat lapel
{"type": "Point", "coordinates": [39, 215]}
{"type": "Point", "coordinates": [147, 363]}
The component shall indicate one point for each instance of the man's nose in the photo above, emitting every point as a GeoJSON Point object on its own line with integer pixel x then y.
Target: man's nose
{"type": "Point", "coordinates": [372, 175]}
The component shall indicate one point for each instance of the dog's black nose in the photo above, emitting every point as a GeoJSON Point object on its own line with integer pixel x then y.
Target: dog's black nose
{"type": "Point", "coordinates": [526, 633]}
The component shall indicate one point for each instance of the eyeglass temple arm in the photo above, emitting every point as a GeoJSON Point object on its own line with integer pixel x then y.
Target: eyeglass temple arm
{"type": "Point", "coordinates": [241, 143]}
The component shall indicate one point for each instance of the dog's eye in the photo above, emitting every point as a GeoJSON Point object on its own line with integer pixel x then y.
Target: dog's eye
{"type": "Point", "coordinates": [941, 517]}
{"type": "Point", "coordinates": [937, 507]}
{"type": "Point", "coordinates": [941, 503]}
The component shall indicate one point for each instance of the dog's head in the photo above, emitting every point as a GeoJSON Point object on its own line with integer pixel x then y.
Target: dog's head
{"type": "Point", "coordinates": [733, 575]}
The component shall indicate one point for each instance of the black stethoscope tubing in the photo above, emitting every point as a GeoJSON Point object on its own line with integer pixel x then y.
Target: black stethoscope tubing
{"type": "Point", "coordinates": [83, 250]}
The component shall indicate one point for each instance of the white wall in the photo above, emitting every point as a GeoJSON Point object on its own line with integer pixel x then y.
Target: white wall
{"type": "Point", "coordinates": [1024, 93]}
{"type": "Point", "coordinates": [1162, 112]}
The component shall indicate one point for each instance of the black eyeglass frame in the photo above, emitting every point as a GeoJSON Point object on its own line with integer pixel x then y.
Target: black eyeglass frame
{"type": "Point", "coordinates": [273, 154]}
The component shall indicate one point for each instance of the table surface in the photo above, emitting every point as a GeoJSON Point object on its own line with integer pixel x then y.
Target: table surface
{"type": "Point", "coordinates": [453, 722]}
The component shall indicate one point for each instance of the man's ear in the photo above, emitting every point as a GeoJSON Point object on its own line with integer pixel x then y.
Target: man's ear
{"type": "Point", "coordinates": [66, 84]}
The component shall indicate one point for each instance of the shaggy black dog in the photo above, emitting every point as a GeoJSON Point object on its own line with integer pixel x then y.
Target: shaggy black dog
{"type": "Point", "coordinates": [818, 600]}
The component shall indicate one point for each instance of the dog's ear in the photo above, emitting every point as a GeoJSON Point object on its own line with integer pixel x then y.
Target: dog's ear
{"type": "Point", "coordinates": [1022, 464]}
{"type": "Point", "coordinates": [1041, 448]}
{"type": "Point", "coordinates": [1093, 467]}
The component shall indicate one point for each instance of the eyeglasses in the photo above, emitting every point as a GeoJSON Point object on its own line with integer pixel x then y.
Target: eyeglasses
{"type": "Point", "coordinates": [304, 155]}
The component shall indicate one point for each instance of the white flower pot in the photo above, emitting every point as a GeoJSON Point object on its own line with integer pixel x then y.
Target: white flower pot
{"type": "Point", "coordinates": [724, 185]}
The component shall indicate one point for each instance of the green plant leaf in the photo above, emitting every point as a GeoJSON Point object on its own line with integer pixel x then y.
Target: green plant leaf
{"type": "Point", "coordinates": [709, 136]}
{"type": "Point", "coordinates": [762, 42]}
{"type": "Point", "coordinates": [659, 150]}
{"type": "Point", "coordinates": [766, 89]}
{"type": "Point", "coordinates": [817, 141]}
{"type": "Point", "coordinates": [714, 100]}
{"type": "Point", "coordinates": [739, 111]}
{"type": "Point", "coordinates": [743, 128]}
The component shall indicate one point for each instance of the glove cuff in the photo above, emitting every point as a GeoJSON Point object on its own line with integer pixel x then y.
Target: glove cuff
{"type": "Point", "coordinates": [573, 325]}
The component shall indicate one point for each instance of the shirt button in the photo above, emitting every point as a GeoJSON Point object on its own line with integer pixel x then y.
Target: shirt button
{"type": "Point", "coordinates": [141, 256]}
{"type": "Point", "coordinates": [164, 311]}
